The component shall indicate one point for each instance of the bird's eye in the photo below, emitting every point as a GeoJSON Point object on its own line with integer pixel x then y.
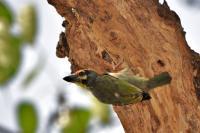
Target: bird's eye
{"type": "Point", "coordinates": [81, 73]}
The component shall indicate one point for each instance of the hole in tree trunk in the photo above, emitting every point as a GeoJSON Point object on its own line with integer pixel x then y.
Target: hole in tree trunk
{"type": "Point", "coordinates": [161, 63]}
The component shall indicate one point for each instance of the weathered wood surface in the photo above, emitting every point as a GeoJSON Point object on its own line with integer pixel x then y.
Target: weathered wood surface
{"type": "Point", "coordinates": [146, 36]}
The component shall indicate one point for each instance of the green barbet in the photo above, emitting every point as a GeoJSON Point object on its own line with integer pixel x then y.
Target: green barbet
{"type": "Point", "coordinates": [120, 88]}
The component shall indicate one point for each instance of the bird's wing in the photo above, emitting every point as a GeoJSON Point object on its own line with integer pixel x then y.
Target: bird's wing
{"type": "Point", "coordinates": [127, 75]}
{"type": "Point", "coordinates": [120, 90]}
{"type": "Point", "coordinates": [121, 86]}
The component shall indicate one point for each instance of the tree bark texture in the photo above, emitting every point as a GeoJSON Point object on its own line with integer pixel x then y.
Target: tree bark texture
{"type": "Point", "coordinates": [107, 35]}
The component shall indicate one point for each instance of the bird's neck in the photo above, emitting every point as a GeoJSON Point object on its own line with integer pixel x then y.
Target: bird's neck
{"type": "Point", "coordinates": [91, 81]}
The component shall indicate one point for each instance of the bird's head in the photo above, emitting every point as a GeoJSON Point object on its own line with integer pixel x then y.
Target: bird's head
{"type": "Point", "coordinates": [81, 77]}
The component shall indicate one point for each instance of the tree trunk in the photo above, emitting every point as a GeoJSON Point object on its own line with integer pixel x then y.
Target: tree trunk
{"type": "Point", "coordinates": [146, 36]}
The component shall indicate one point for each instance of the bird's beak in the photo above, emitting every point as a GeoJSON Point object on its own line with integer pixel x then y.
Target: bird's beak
{"type": "Point", "coordinates": [71, 78]}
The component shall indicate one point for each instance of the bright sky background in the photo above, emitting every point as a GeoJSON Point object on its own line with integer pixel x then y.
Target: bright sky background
{"type": "Point", "coordinates": [190, 19]}
{"type": "Point", "coordinates": [49, 30]}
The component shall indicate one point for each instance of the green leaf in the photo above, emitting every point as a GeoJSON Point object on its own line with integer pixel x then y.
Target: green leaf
{"type": "Point", "coordinates": [27, 20]}
{"type": "Point", "coordinates": [27, 118]}
{"type": "Point", "coordinates": [5, 13]}
{"type": "Point", "coordinates": [79, 120]}
{"type": "Point", "coordinates": [9, 58]}
{"type": "Point", "coordinates": [4, 29]}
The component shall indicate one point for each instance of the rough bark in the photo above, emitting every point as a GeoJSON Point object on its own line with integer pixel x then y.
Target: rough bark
{"type": "Point", "coordinates": [146, 36]}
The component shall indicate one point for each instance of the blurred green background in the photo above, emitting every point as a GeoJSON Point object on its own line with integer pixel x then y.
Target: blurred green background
{"type": "Point", "coordinates": [33, 96]}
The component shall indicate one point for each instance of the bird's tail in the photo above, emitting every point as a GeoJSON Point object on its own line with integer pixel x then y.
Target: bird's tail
{"type": "Point", "coordinates": [159, 80]}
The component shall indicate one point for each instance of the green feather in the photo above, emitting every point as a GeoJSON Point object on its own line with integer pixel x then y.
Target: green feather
{"type": "Point", "coordinates": [159, 80]}
{"type": "Point", "coordinates": [127, 75]}
{"type": "Point", "coordinates": [141, 82]}
{"type": "Point", "coordinates": [111, 90]}
{"type": "Point", "coordinates": [120, 88]}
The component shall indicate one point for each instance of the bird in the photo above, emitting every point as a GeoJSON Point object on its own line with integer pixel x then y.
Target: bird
{"type": "Point", "coordinates": [120, 88]}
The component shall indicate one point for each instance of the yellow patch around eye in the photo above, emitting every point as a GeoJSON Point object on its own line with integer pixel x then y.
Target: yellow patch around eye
{"type": "Point", "coordinates": [83, 77]}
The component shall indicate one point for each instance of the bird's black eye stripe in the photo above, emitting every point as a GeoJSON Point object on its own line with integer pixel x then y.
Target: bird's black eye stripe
{"type": "Point", "coordinates": [87, 72]}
